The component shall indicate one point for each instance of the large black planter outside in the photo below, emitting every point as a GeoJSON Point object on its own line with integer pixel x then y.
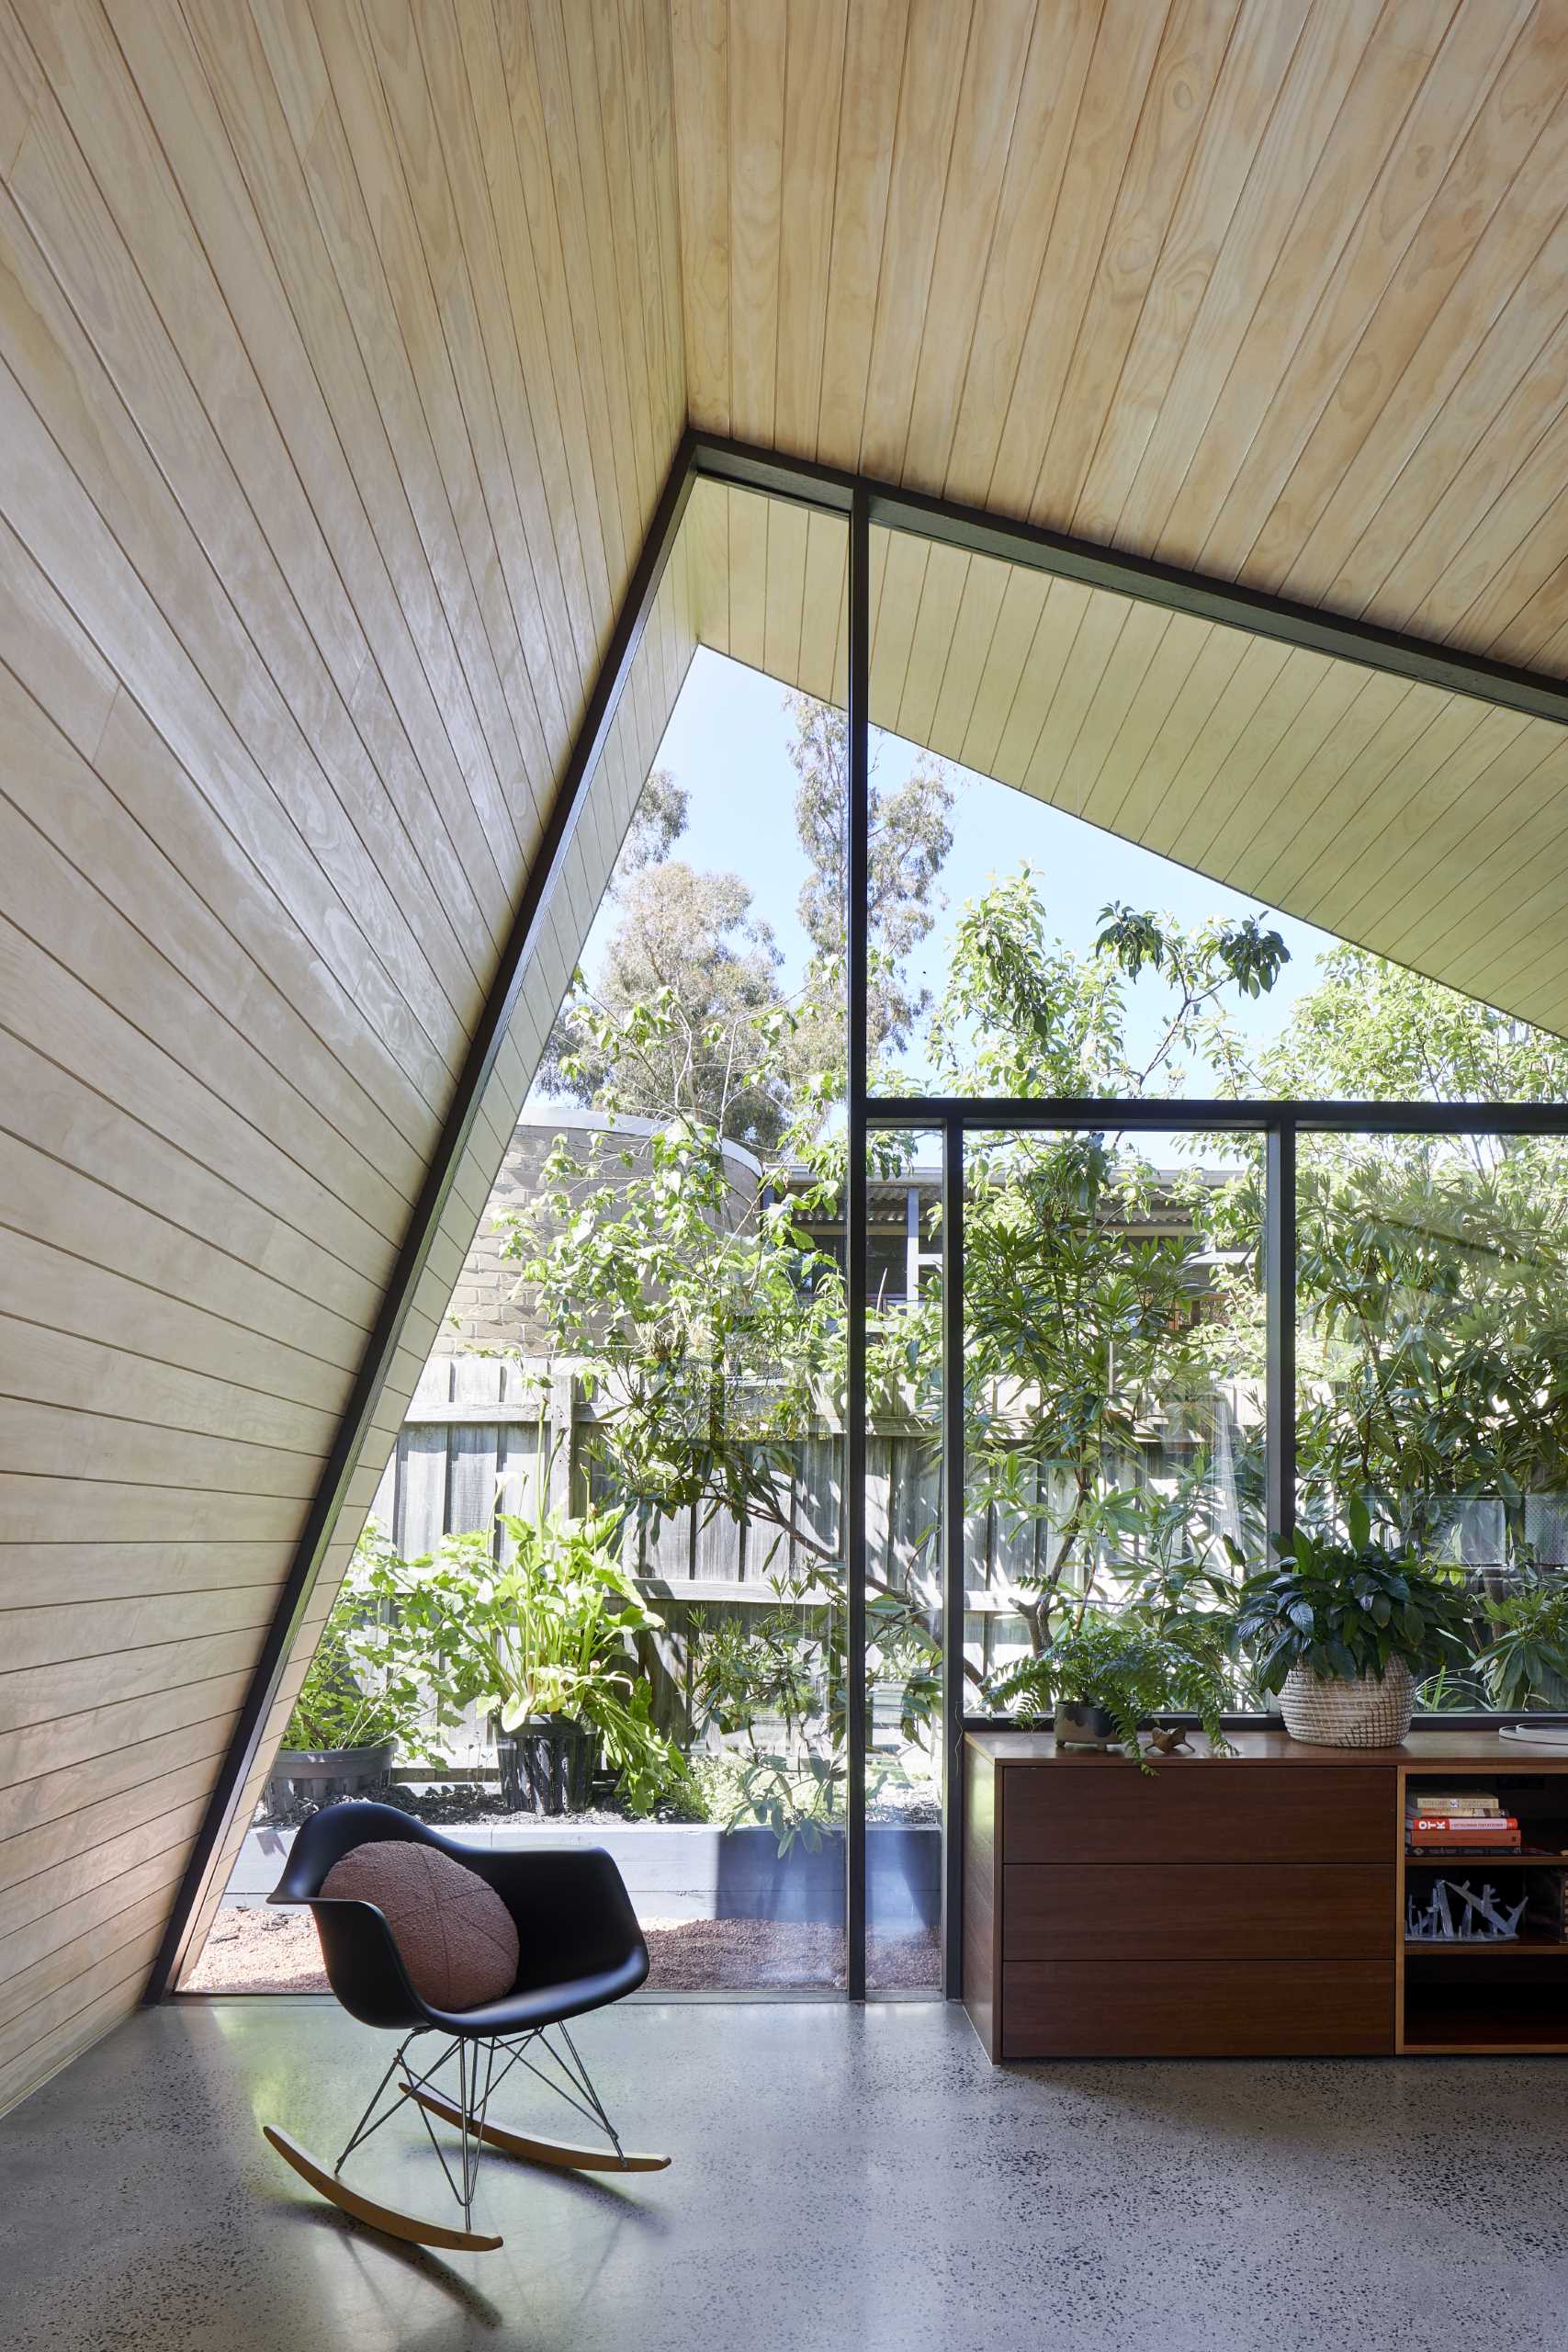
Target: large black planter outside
{"type": "Point", "coordinates": [546, 1764]}
{"type": "Point", "coordinates": [320, 1775]}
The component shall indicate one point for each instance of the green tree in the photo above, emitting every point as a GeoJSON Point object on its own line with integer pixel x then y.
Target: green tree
{"type": "Point", "coordinates": [910, 836]}
{"type": "Point", "coordinates": [686, 1014]}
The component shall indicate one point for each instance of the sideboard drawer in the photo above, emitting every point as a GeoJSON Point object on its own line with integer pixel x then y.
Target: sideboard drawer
{"type": "Point", "coordinates": [1196, 1813]}
{"type": "Point", "coordinates": [1197, 1910]}
{"type": "Point", "coordinates": [1208, 2009]}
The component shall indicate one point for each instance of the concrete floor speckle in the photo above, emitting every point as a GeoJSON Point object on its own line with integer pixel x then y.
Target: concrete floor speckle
{"type": "Point", "coordinates": [843, 2181]}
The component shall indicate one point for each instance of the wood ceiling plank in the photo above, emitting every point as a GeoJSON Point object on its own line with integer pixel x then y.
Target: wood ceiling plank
{"type": "Point", "coordinates": [995, 80]}
{"type": "Point", "coordinates": [893, 626]}
{"type": "Point", "coordinates": [1259, 253]}
{"type": "Point", "coordinates": [1181, 88]}
{"type": "Point", "coordinates": [363, 86]}
{"type": "Point", "coordinates": [1488, 93]}
{"type": "Point", "coordinates": [70, 541]}
{"type": "Point", "coordinates": [1339, 853]}
{"type": "Point", "coordinates": [961, 411]}
{"type": "Point", "coordinates": [1300, 841]}
{"type": "Point", "coordinates": [1335, 256]}
{"type": "Point", "coordinates": [1438, 821]}
{"type": "Point", "coordinates": [1007, 654]}
{"type": "Point", "coordinates": [1105, 125]}
{"type": "Point", "coordinates": [366, 373]}
{"type": "Point", "coordinates": [117, 1936]}
{"type": "Point", "coordinates": [749, 519]}
{"type": "Point", "coordinates": [1097, 643]}
{"type": "Point", "coordinates": [1266, 770]}
{"type": "Point", "coordinates": [782, 628]}
{"type": "Point", "coordinates": [1254, 82]}
{"type": "Point", "coordinates": [941, 598]}
{"type": "Point", "coordinates": [874, 52]}
{"type": "Point", "coordinates": [822, 605]}
{"type": "Point", "coordinates": [265, 237]}
{"type": "Point", "coordinates": [972, 636]}
{"type": "Point", "coordinates": [1508, 878]}
{"type": "Point", "coordinates": [1142, 788]}
{"type": "Point", "coordinates": [34, 1762]}
{"type": "Point", "coordinates": [1387, 407]}
{"type": "Point", "coordinates": [505, 92]}
{"type": "Point", "coordinates": [120, 963]}
{"type": "Point", "coordinates": [758, 47]}
{"type": "Point", "coordinates": [610, 238]}
{"type": "Point", "coordinates": [52, 369]}
{"type": "Point", "coordinates": [1122, 685]}
{"type": "Point", "coordinates": [1492, 425]}
{"type": "Point", "coordinates": [1145, 716]}
{"type": "Point", "coordinates": [526, 405]}
{"type": "Point", "coordinates": [819, 30]}
{"type": "Point", "coordinates": [700, 49]}
{"type": "Point", "coordinates": [936, 58]}
{"type": "Point", "coordinates": [1055, 636]}
{"type": "Point", "coordinates": [1266, 688]}
{"type": "Point", "coordinates": [47, 1435]}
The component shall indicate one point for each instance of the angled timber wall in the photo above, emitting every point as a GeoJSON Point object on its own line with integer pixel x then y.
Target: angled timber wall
{"type": "Point", "coordinates": [341, 367]}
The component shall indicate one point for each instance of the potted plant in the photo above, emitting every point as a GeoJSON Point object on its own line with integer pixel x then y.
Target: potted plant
{"type": "Point", "coordinates": [541, 1645]}
{"type": "Point", "coordinates": [1106, 1675]}
{"type": "Point", "coordinates": [1525, 1664]}
{"type": "Point", "coordinates": [1342, 1633]}
{"type": "Point", "coordinates": [340, 1739]}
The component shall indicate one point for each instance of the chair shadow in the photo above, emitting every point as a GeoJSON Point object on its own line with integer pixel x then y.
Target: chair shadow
{"type": "Point", "coordinates": [605, 2189]}
{"type": "Point", "coordinates": [418, 2260]}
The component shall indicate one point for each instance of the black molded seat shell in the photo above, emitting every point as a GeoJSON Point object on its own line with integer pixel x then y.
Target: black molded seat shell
{"type": "Point", "coordinates": [580, 1945]}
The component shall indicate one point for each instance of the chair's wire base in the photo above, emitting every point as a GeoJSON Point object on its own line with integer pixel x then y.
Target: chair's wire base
{"type": "Point", "coordinates": [478, 2079]}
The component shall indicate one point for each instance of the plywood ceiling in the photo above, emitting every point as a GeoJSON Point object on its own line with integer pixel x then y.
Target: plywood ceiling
{"type": "Point", "coordinates": [340, 369]}
{"type": "Point", "coordinates": [1278, 290]}
{"type": "Point", "coordinates": [1427, 825]}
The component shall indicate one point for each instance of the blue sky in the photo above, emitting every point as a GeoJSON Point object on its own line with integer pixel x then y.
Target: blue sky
{"type": "Point", "coordinates": [726, 742]}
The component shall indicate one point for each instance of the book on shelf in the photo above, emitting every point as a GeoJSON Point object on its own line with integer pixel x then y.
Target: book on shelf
{"type": "Point", "coordinates": [1494, 1825]}
{"type": "Point", "coordinates": [1461, 1842]}
{"type": "Point", "coordinates": [1469, 1802]}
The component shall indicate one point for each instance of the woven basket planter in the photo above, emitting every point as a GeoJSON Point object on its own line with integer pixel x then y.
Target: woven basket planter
{"type": "Point", "coordinates": [1371, 1713]}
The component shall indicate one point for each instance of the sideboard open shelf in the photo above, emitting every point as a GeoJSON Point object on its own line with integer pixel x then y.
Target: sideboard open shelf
{"type": "Point", "coordinates": [1252, 1905]}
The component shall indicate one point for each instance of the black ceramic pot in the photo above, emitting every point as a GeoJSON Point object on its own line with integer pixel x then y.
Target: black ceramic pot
{"type": "Point", "coordinates": [546, 1764]}
{"type": "Point", "coordinates": [1083, 1726]}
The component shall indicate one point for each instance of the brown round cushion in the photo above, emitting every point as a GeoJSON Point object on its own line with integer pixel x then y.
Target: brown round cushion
{"type": "Point", "coordinates": [453, 1934]}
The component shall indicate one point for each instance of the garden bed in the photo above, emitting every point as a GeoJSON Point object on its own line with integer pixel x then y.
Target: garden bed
{"type": "Point", "coordinates": [259, 1950]}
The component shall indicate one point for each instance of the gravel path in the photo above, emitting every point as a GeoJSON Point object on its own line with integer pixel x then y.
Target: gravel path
{"type": "Point", "coordinates": [276, 1951]}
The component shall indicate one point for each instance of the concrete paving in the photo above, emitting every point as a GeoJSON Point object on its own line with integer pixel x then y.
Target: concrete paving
{"type": "Point", "coordinates": [843, 2181]}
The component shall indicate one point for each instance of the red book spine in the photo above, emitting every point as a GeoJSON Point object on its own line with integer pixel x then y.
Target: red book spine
{"type": "Point", "coordinates": [1465, 1846]}
{"type": "Point", "coordinates": [1494, 1825]}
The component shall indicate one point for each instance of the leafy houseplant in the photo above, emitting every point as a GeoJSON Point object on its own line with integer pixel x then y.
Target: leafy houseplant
{"type": "Point", "coordinates": [1525, 1664]}
{"type": "Point", "coordinates": [1343, 1633]}
{"type": "Point", "coordinates": [1122, 1669]}
{"type": "Point", "coordinates": [778, 1688]}
{"type": "Point", "coordinates": [340, 1737]}
{"type": "Point", "coordinates": [542, 1645]}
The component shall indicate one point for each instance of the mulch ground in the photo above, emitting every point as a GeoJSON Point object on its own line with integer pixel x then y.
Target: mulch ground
{"type": "Point", "coordinates": [276, 1951]}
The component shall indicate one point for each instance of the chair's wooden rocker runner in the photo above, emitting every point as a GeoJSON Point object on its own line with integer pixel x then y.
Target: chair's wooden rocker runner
{"type": "Point", "coordinates": [579, 1948]}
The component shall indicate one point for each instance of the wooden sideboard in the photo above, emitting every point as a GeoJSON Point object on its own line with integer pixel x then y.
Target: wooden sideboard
{"type": "Point", "coordinates": [1250, 1905]}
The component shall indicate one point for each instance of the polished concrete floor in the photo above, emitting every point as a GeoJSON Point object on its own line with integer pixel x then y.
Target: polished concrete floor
{"type": "Point", "coordinates": [844, 2181]}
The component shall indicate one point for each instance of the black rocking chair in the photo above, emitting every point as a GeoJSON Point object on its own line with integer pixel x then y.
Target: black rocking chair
{"type": "Point", "coordinates": [580, 1947]}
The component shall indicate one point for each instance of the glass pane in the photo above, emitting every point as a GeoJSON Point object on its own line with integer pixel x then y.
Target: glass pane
{"type": "Point", "coordinates": [903, 1565]}
{"type": "Point", "coordinates": [1114, 1390]}
{"type": "Point", "coordinates": [629, 1432]}
{"type": "Point", "coordinates": [1432, 1377]}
